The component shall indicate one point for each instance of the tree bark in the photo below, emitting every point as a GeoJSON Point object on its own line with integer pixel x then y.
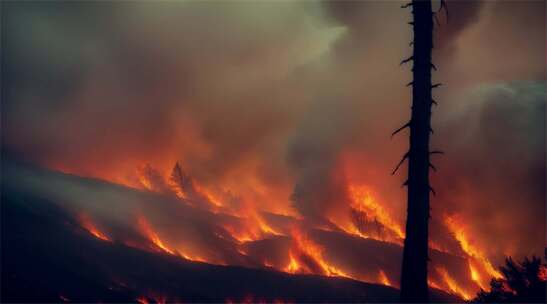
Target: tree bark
{"type": "Point", "coordinates": [414, 286]}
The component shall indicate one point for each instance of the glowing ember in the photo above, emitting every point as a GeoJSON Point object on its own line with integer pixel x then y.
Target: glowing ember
{"type": "Point", "coordinates": [88, 225]}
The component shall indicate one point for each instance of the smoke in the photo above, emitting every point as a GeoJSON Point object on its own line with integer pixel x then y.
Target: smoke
{"type": "Point", "coordinates": [283, 104]}
{"type": "Point", "coordinates": [503, 180]}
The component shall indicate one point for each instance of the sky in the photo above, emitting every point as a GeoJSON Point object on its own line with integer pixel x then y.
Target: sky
{"type": "Point", "coordinates": [283, 104]}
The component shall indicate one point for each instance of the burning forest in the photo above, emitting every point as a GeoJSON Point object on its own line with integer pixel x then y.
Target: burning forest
{"type": "Point", "coordinates": [240, 152]}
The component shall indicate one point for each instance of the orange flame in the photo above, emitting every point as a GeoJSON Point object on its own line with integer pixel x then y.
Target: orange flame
{"type": "Point", "coordinates": [362, 200]}
{"type": "Point", "coordinates": [146, 229]}
{"type": "Point", "coordinates": [454, 225]}
{"type": "Point", "coordinates": [383, 278]}
{"type": "Point", "coordinates": [314, 252]}
{"type": "Point", "coordinates": [293, 266]}
{"type": "Point", "coordinates": [88, 225]}
{"type": "Point", "coordinates": [452, 284]}
{"type": "Point", "coordinates": [475, 275]}
{"type": "Point", "coordinates": [304, 256]}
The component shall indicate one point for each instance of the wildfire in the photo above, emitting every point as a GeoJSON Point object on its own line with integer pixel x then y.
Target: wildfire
{"type": "Point", "coordinates": [370, 219]}
{"type": "Point", "coordinates": [383, 278]}
{"type": "Point", "coordinates": [468, 247]}
{"type": "Point", "coordinates": [363, 201]}
{"type": "Point", "coordinates": [88, 225]}
{"type": "Point", "coordinates": [475, 275]}
{"type": "Point", "coordinates": [452, 284]}
{"type": "Point", "coordinates": [293, 266]}
{"type": "Point", "coordinates": [146, 229]}
{"type": "Point", "coordinates": [433, 284]}
{"type": "Point", "coordinates": [312, 251]}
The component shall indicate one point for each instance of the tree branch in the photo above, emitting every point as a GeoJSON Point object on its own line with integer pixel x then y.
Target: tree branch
{"type": "Point", "coordinates": [407, 60]}
{"type": "Point", "coordinates": [401, 162]}
{"type": "Point", "coordinates": [407, 125]}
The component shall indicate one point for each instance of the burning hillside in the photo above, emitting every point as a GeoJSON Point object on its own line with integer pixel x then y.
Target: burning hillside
{"type": "Point", "coordinates": [217, 140]}
{"type": "Point", "coordinates": [174, 215]}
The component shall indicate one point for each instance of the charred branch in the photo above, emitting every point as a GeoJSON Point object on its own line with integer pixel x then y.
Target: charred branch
{"type": "Point", "coordinates": [407, 60]}
{"type": "Point", "coordinates": [407, 125]}
{"type": "Point", "coordinates": [407, 154]}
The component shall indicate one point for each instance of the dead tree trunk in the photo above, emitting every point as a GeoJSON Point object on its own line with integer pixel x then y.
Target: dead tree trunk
{"type": "Point", "coordinates": [415, 255]}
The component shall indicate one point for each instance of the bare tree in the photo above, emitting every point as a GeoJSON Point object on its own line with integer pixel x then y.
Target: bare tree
{"type": "Point", "coordinates": [415, 255]}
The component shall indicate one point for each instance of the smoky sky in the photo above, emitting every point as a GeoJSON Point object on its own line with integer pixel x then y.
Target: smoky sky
{"type": "Point", "coordinates": [286, 101]}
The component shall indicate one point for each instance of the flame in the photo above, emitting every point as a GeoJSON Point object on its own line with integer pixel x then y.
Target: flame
{"type": "Point", "coordinates": [146, 229]}
{"type": "Point", "coordinates": [88, 225]}
{"type": "Point", "coordinates": [304, 255]}
{"type": "Point", "coordinates": [475, 275]}
{"type": "Point", "coordinates": [307, 247]}
{"type": "Point", "coordinates": [452, 284]}
{"type": "Point", "coordinates": [383, 278]}
{"type": "Point", "coordinates": [457, 229]}
{"type": "Point", "coordinates": [293, 266]}
{"type": "Point", "coordinates": [433, 284]}
{"type": "Point", "coordinates": [363, 201]}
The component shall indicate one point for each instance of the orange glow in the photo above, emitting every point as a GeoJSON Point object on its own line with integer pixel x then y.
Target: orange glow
{"type": "Point", "coordinates": [146, 229]}
{"type": "Point", "coordinates": [88, 225]}
{"type": "Point", "coordinates": [383, 278]}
